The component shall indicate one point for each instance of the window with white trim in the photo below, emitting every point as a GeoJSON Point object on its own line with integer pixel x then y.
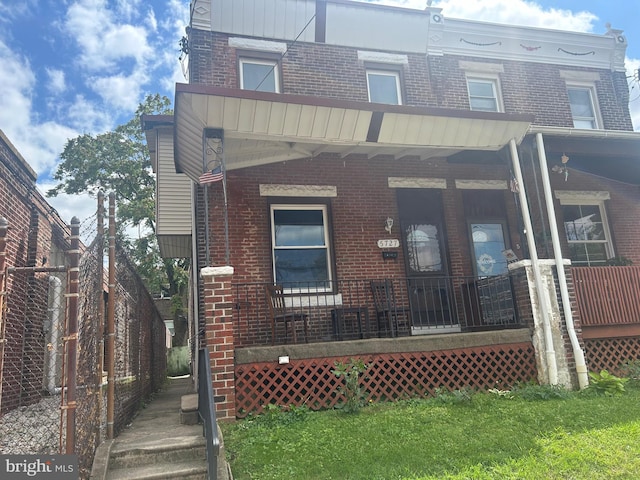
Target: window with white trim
{"type": "Point", "coordinates": [583, 106]}
{"type": "Point", "coordinates": [484, 94]}
{"type": "Point", "coordinates": [587, 232]}
{"type": "Point", "coordinates": [260, 75]}
{"type": "Point", "coordinates": [384, 86]}
{"type": "Point", "coordinates": [300, 247]}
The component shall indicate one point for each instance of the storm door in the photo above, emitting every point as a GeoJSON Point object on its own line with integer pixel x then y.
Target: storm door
{"type": "Point", "coordinates": [425, 248]}
{"type": "Point", "coordinates": [489, 296]}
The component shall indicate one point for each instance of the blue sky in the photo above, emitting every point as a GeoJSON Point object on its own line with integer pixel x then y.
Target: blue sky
{"type": "Point", "coordinates": [69, 67]}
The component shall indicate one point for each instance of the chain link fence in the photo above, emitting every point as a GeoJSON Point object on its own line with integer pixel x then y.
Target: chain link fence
{"type": "Point", "coordinates": [34, 414]}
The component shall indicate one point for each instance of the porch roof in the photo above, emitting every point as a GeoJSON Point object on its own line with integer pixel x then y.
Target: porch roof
{"type": "Point", "coordinates": [613, 154]}
{"type": "Point", "coordinates": [262, 128]}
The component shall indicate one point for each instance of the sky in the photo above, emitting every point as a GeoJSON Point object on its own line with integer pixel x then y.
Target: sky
{"type": "Point", "coordinates": [69, 67]}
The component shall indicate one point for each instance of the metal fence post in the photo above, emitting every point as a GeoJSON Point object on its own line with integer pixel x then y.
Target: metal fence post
{"type": "Point", "coordinates": [72, 334]}
{"type": "Point", "coordinates": [4, 226]}
{"type": "Point", "coordinates": [111, 340]}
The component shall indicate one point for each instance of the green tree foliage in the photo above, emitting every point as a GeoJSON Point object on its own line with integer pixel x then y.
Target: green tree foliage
{"type": "Point", "coordinates": [119, 161]}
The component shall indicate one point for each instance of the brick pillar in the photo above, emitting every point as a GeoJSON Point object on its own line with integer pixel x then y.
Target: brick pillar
{"type": "Point", "coordinates": [218, 313]}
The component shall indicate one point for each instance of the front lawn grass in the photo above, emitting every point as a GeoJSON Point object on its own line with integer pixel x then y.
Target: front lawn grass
{"type": "Point", "coordinates": [490, 436]}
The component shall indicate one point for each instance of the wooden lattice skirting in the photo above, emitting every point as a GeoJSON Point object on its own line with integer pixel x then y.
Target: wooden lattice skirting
{"type": "Point", "coordinates": [609, 353]}
{"type": "Point", "coordinates": [390, 376]}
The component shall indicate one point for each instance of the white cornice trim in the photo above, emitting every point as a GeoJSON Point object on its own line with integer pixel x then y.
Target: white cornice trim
{"type": "Point", "coordinates": [258, 45]}
{"type": "Point", "coordinates": [417, 182]}
{"type": "Point", "coordinates": [481, 184]}
{"type": "Point", "coordinates": [278, 190]}
{"type": "Point", "coordinates": [582, 196]}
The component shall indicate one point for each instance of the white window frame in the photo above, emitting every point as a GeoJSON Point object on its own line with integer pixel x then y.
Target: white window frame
{"type": "Point", "coordinates": [608, 244]}
{"type": "Point", "coordinates": [593, 97]}
{"type": "Point", "coordinates": [327, 242]}
{"type": "Point", "coordinates": [494, 81]}
{"type": "Point", "coordinates": [387, 73]}
{"type": "Point", "coordinates": [260, 61]}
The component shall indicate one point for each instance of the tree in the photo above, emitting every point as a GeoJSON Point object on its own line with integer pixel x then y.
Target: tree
{"type": "Point", "coordinates": [118, 161]}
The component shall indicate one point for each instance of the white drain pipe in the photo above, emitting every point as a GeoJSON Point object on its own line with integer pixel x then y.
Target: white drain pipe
{"type": "Point", "coordinates": [544, 303]}
{"type": "Point", "coordinates": [581, 367]}
{"type": "Point", "coordinates": [56, 327]}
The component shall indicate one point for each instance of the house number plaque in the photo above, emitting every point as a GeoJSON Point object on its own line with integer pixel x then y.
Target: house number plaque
{"type": "Point", "coordinates": [389, 243]}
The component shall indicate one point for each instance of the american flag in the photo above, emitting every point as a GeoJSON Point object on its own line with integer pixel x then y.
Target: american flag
{"type": "Point", "coordinates": [212, 176]}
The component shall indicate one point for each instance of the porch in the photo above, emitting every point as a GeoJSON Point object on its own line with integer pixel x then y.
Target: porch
{"type": "Point", "coordinates": [345, 310]}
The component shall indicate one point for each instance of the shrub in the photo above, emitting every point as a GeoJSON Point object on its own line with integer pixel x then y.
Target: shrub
{"type": "Point", "coordinates": [604, 383]}
{"type": "Point", "coordinates": [352, 391]}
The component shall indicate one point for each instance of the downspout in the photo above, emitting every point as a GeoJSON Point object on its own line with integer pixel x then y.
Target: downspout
{"type": "Point", "coordinates": [581, 367]}
{"type": "Point", "coordinates": [544, 302]}
{"type": "Point", "coordinates": [56, 326]}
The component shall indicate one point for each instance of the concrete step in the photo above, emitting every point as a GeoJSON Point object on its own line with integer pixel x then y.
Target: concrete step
{"type": "Point", "coordinates": [156, 451]}
{"type": "Point", "coordinates": [161, 471]}
{"type": "Point", "coordinates": [189, 409]}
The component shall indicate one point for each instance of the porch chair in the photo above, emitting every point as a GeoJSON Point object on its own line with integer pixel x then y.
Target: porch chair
{"type": "Point", "coordinates": [391, 317]}
{"type": "Point", "coordinates": [278, 312]}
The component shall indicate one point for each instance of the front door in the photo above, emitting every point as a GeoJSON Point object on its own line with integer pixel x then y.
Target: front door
{"type": "Point", "coordinates": [424, 243]}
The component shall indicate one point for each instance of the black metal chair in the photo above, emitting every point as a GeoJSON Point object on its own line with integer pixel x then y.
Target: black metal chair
{"type": "Point", "coordinates": [278, 312]}
{"type": "Point", "coordinates": [391, 317]}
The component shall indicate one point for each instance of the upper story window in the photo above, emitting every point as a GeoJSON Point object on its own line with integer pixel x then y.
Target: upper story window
{"type": "Point", "coordinates": [587, 231]}
{"type": "Point", "coordinates": [484, 94]}
{"type": "Point", "coordinates": [583, 106]}
{"type": "Point", "coordinates": [384, 86]}
{"type": "Point", "coordinates": [300, 247]}
{"type": "Point", "coordinates": [261, 75]}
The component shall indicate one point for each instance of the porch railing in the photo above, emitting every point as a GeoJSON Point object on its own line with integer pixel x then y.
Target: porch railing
{"type": "Point", "coordinates": [207, 412]}
{"type": "Point", "coordinates": [608, 295]}
{"type": "Point", "coordinates": [347, 310]}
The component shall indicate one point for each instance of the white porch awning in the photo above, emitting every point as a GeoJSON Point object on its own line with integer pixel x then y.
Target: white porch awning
{"type": "Point", "coordinates": [262, 128]}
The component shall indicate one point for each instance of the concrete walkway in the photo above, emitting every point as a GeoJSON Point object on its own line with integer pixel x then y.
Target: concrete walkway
{"type": "Point", "coordinates": [157, 434]}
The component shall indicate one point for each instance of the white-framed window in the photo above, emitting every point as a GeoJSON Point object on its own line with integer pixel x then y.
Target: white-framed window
{"type": "Point", "coordinates": [261, 75]}
{"type": "Point", "coordinates": [587, 231]}
{"type": "Point", "coordinates": [384, 86]}
{"type": "Point", "coordinates": [582, 100]}
{"type": "Point", "coordinates": [301, 247]}
{"type": "Point", "coordinates": [484, 94]}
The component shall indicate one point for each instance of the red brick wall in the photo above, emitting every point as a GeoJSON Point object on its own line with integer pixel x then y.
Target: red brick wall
{"type": "Point", "coordinates": [34, 229]}
{"type": "Point", "coordinates": [335, 71]}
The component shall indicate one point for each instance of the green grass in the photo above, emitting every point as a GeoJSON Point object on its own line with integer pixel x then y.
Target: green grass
{"type": "Point", "coordinates": [487, 437]}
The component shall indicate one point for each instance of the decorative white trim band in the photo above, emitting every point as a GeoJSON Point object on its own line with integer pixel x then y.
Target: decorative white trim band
{"type": "Point", "coordinates": [298, 190]}
{"type": "Point", "coordinates": [580, 76]}
{"type": "Point", "coordinates": [417, 182]}
{"type": "Point", "coordinates": [480, 67]}
{"type": "Point", "coordinates": [381, 57]}
{"type": "Point", "coordinates": [481, 184]}
{"type": "Point", "coordinates": [258, 45]}
{"type": "Point", "coordinates": [581, 196]}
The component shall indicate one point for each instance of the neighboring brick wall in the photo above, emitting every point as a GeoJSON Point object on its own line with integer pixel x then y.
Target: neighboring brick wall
{"type": "Point", "coordinates": [332, 71]}
{"type": "Point", "coordinates": [35, 234]}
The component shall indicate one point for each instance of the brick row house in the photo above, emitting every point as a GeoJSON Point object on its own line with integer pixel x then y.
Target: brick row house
{"type": "Point", "coordinates": [450, 200]}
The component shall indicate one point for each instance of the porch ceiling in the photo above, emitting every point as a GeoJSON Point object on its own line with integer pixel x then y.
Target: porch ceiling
{"type": "Point", "coordinates": [262, 128]}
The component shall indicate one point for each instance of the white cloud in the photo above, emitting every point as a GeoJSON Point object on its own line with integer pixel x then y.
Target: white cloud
{"type": "Point", "coordinates": [120, 91]}
{"type": "Point", "coordinates": [87, 116]}
{"type": "Point", "coordinates": [56, 82]}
